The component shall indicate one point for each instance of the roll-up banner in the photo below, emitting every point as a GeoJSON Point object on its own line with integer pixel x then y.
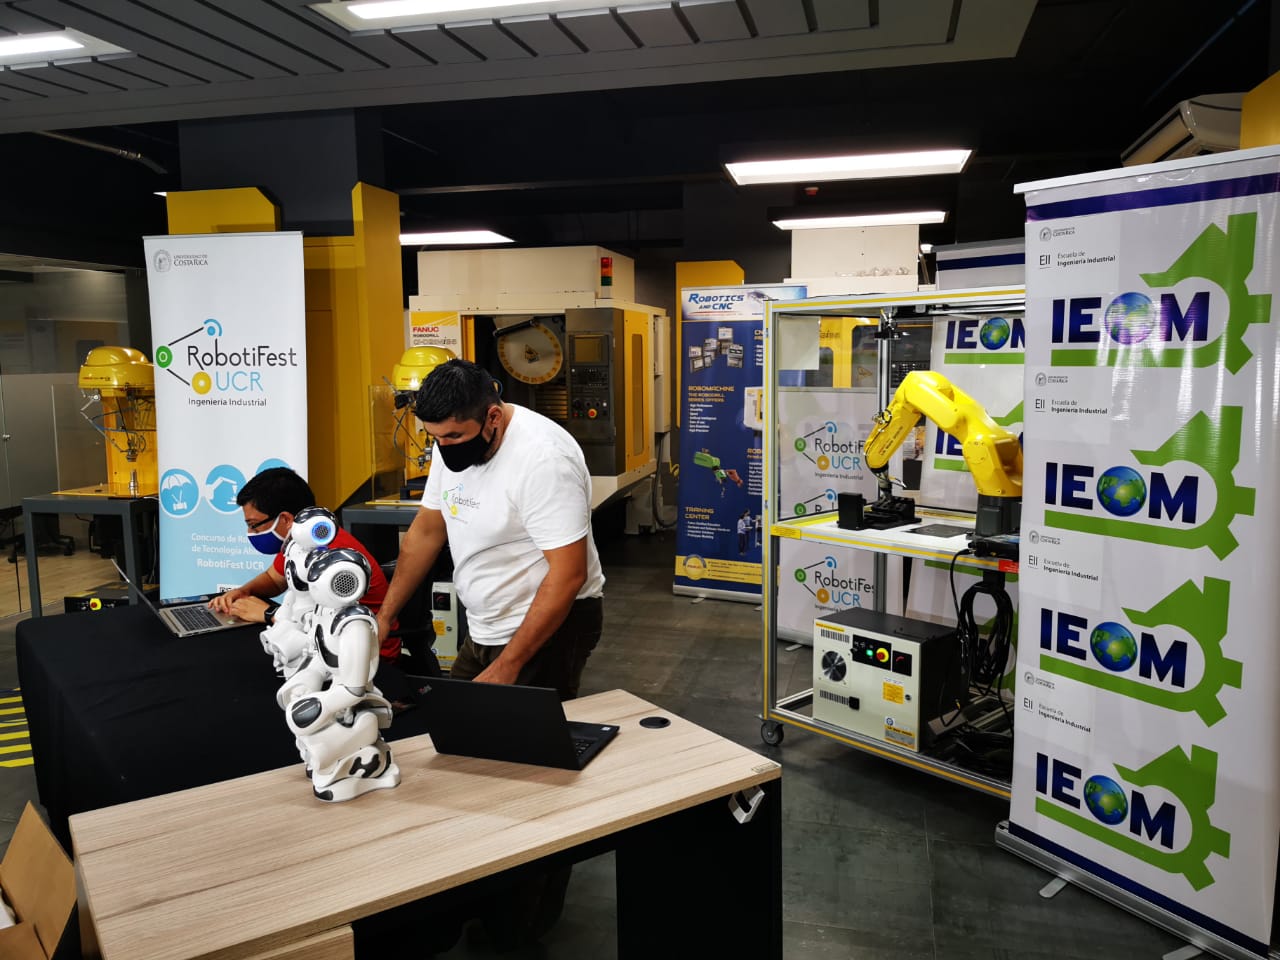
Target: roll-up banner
{"type": "Point", "coordinates": [982, 354]}
{"type": "Point", "coordinates": [1146, 753]}
{"type": "Point", "coordinates": [228, 333]}
{"type": "Point", "coordinates": [719, 525]}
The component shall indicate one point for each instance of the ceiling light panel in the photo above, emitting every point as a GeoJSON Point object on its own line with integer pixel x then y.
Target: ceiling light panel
{"type": "Point", "coordinates": [452, 238]}
{"type": "Point", "coordinates": [361, 16]}
{"type": "Point", "coordinates": [28, 50]}
{"type": "Point", "coordinates": [864, 220]}
{"type": "Point", "coordinates": [863, 166]}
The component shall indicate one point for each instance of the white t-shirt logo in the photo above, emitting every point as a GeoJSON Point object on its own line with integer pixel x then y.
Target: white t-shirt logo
{"type": "Point", "coordinates": [453, 499]}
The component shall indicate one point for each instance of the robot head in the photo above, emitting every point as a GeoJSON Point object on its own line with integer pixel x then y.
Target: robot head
{"type": "Point", "coordinates": [337, 578]}
{"type": "Point", "coordinates": [313, 527]}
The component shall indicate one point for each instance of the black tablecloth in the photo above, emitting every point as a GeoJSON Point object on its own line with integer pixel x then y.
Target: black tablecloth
{"type": "Point", "coordinates": [119, 709]}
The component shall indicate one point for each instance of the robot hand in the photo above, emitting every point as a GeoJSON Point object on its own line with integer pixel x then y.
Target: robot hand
{"type": "Point", "coordinates": [288, 645]}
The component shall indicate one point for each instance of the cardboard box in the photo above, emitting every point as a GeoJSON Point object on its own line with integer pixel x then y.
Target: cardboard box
{"type": "Point", "coordinates": [40, 884]}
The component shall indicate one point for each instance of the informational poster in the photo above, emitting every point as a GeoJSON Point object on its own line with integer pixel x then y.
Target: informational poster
{"type": "Point", "coordinates": [1147, 717]}
{"type": "Point", "coordinates": [981, 354]}
{"type": "Point", "coordinates": [818, 579]}
{"type": "Point", "coordinates": [720, 523]}
{"type": "Point", "coordinates": [229, 341]}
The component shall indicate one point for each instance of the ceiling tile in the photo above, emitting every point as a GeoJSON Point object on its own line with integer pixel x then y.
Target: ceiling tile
{"type": "Point", "coordinates": [714, 20]}
{"type": "Point", "coordinates": [303, 30]}
{"type": "Point", "coordinates": [778, 18]}
{"type": "Point", "coordinates": [843, 14]}
{"type": "Point", "coordinates": [17, 21]}
{"type": "Point", "coordinates": [32, 82]}
{"type": "Point", "coordinates": [438, 45]}
{"type": "Point", "coordinates": [656, 26]}
{"type": "Point", "coordinates": [157, 72]}
{"type": "Point", "coordinates": [84, 82]}
{"type": "Point", "coordinates": [389, 49]}
{"type": "Point", "coordinates": [542, 35]}
{"type": "Point", "coordinates": [111, 75]}
{"type": "Point", "coordinates": [596, 30]}
{"type": "Point", "coordinates": [489, 41]}
{"type": "Point", "coordinates": [169, 51]}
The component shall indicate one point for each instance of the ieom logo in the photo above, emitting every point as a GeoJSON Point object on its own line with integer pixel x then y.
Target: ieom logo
{"type": "Point", "coordinates": [1106, 801]}
{"type": "Point", "coordinates": [1113, 647]}
{"type": "Point", "coordinates": [1122, 491]}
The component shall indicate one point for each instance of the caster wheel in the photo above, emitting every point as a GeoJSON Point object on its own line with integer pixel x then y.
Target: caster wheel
{"type": "Point", "coordinates": [771, 732]}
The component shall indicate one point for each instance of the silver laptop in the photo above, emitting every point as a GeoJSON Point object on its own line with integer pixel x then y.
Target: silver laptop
{"type": "Point", "coordinates": [184, 619]}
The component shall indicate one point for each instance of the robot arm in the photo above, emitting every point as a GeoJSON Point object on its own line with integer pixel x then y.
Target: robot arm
{"type": "Point", "coordinates": [992, 453]}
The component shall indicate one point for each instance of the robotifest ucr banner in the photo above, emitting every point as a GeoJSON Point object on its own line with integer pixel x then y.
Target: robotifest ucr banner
{"type": "Point", "coordinates": [228, 333]}
{"type": "Point", "coordinates": [720, 526]}
{"type": "Point", "coordinates": [1147, 717]}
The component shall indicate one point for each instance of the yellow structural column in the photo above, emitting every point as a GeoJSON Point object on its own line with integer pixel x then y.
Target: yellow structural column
{"type": "Point", "coordinates": [354, 318]}
{"type": "Point", "coordinates": [355, 335]}
{"type": "Point", "coordinates": [1260, 114]}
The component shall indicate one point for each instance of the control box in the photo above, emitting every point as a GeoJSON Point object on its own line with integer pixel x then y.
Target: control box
{"type": "Point", "coordinates": [884, 676]}
{"type": "Point", "coordinates": [445, 622]}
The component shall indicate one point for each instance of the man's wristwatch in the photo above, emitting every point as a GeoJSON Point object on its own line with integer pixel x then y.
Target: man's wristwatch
{"type": "Point", "coordinates": [269, 614]}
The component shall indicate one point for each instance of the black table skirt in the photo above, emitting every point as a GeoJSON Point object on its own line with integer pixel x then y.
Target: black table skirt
{"type": "Point", "coordinates": [119, 709]}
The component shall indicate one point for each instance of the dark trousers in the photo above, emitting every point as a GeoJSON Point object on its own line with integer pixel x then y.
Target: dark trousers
{"type": "Point", "coordinates": [530, 908]}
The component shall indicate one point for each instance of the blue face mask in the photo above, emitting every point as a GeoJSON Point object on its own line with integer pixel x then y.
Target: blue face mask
{"type": "Point", "coordinates": [268, 541]}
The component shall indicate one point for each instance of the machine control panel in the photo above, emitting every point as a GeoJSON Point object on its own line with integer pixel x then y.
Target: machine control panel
{"type": "Point", "coordinates": [592, 385]}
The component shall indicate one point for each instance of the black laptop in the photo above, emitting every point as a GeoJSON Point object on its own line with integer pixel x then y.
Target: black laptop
{"type": "Point", "coordinates": [499, 721]}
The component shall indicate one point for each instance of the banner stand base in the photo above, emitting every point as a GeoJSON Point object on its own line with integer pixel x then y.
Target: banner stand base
{"type": "Point", "coordinates": [709, 593]}
{"type": "Point", "coordinates": [1198, 936]}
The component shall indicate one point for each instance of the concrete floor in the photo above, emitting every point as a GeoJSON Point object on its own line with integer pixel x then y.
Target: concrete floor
{"type": "Point", "coordinates": [879, 861]}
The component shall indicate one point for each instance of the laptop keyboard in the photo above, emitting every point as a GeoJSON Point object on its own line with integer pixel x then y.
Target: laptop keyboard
{"type": "Point", "coordinates": [196, 618]}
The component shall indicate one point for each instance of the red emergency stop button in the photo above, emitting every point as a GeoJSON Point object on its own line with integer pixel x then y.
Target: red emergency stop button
{"type": "Point", "coordinates": [882, 655]}
{"type": "Point", "coordinates": [591, 414]}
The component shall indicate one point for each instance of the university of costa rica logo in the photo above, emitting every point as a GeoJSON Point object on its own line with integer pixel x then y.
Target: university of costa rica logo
{"type": "Point", "coordinates": [1164, 327]}
{"type": "Point", "coordinates": [163, 261]}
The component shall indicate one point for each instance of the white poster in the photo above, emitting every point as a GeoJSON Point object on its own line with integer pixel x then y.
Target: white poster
{"type": "Point", "coordinates": [821, 433]}
{"type": "Point", "coordinates": [817, 579]}
{"type": "Point", "coordinates": [1147, 722]}
{"type": "Point", "coordinates": [228, 331]}
{"type": "Point", "coordinates": [982, 354]}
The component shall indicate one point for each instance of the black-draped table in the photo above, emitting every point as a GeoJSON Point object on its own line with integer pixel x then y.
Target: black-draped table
{"type": "Point", "coordinates": [119, 709]}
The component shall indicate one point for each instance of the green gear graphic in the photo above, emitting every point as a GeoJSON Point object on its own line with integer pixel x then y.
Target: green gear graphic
{"type": "Point", "coordinates": [1193, 780]}
{"type": "Point", "coordinates": [1224, 258]}
{"type": "Point", "coordinates": [1202, 614]}
{"type": "Point", "coordinates": [1216, 448]}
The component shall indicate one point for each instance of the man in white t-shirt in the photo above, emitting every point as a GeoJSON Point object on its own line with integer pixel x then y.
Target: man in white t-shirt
{"type": "Point", "coordinates": [510, 493]}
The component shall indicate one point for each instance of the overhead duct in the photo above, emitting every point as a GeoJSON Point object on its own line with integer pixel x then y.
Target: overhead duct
{"type": "Point", "coordinates": [1204, 124]}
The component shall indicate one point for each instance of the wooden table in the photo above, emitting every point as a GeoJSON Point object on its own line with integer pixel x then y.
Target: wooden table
{"type": "Point", "coordinates": [244, 867]}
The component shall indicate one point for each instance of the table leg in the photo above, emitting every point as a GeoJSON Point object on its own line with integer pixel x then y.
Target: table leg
{"type": "Point", "coordinates": [701, 872]}
{"type": "Point", "coordinates": [130, 524]}
{"type": "Point", "coordinates": [33, 567]}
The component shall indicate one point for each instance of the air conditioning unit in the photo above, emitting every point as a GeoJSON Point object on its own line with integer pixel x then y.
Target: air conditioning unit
{"type": "Point", "coordinates": [1205, 124]}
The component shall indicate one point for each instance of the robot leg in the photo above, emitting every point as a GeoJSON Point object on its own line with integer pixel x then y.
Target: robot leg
{"type": "Point", "coordinates": [348, 760]}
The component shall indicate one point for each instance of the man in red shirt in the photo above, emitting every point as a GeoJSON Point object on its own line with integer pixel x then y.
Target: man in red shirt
{"type": "Point", "coordinates": [269, 502]}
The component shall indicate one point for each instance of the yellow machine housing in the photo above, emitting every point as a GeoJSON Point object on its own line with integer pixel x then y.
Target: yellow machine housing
{"type": "Point", "coordinates": [122, 379]}
{"type": "Point", "coordinates": [409, 437]}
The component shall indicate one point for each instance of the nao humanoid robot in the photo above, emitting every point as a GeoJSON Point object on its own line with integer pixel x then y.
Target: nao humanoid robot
{"type": "Point", "coordinates": [325, 644]}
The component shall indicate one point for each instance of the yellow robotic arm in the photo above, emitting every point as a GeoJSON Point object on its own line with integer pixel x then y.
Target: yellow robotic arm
{"type": "Point", "coordinates": [992, 453]}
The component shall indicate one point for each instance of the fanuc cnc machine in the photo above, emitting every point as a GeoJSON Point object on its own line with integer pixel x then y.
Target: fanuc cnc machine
{"type": "Point", "coordinates": [588, 369]}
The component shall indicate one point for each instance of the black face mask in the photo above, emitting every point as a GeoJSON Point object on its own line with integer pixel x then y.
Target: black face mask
{"type": "Point", "coordinates": [469, 453]}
